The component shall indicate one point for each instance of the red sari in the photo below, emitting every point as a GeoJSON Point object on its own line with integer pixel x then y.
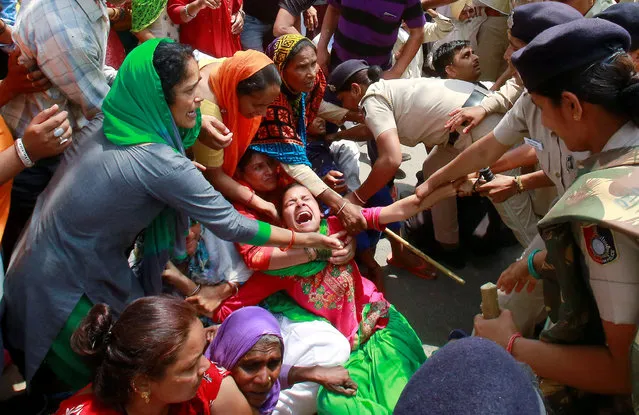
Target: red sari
{"type": "Point", "coordinates": [210, 30]}
{"type": "Point", "coordinates": [86, 403]}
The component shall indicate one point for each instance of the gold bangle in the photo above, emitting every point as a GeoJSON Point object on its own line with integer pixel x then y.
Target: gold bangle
{"type": "Point", "coordinates": [358, 198]}
{"type": "Point", "coordinates": [519, 184]}
{"type": "Point", "coordinates": [341, 208]}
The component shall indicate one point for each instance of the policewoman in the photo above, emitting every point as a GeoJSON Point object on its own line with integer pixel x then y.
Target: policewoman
{"type": "Point", "coordinates": [582, 79]}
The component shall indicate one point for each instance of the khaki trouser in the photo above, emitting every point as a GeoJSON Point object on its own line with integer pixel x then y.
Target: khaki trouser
{"type": "Point", "coordinates": [516, 212]}
{"type": "Point", "coordinates": [492, 41]}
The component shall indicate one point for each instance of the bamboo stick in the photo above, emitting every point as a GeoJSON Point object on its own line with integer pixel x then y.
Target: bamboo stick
{"type": "Point", "coordinates": [425, 257]}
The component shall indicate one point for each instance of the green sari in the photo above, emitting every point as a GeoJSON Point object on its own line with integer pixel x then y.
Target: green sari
{"type": "Point", "coordinates": [381, 367]}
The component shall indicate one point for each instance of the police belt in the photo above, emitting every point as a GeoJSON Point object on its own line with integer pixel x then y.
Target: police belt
{"type": "Point", "coordinates": [473, 100]}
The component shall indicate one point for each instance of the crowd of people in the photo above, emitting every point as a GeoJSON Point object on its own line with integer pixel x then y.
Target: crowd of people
{"type": "Point", "coordinates": [185, 230]}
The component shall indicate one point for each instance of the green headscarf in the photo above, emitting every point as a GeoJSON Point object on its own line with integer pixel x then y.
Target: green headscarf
{"type": "Point", "coordinates": [136, 112]}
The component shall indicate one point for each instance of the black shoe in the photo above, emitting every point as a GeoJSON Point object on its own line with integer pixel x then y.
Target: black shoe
{"type": "Point", "coordinates": [400, 174]}
{"type": "Point", "coordinates": [406, 157]}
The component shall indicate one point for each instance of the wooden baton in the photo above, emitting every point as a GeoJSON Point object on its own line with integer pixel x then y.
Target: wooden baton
{"type": "Point", "coordinates": [425, 257]}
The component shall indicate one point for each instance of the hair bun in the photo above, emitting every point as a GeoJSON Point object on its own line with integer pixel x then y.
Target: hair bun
{"type": "Point", "coordinates": [629, 99]}
{"type": "Point", "coordinates": [374, 73]}
{"type": "Point", "coordinates": [93, 334]}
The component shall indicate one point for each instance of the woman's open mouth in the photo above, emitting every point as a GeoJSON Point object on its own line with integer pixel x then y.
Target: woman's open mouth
{"type": "Point", "coordinates": [303, 217]}
{"type": "Point", "coordinates": [192, 114]}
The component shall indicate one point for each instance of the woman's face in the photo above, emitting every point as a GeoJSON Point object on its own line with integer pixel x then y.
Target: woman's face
{"type": "Point", "coordinates": [559, 119]}
{"type": "Point", "coordinates": [256, 372]}
{"type": "Point", "coordinates": [186, 100]}
{"type": "Point", "coordinates": [300, 211]}
{"type": "Point", "coordinates": [261, 173]}
{"type": "Point", "coordinates": [301, 70]}
{"type": "Point", "coordinates": [350, 99]}
{"type": "Point", "coordinates": [182, 379]}
{"type": "Point", "coordinates": [255, 104]}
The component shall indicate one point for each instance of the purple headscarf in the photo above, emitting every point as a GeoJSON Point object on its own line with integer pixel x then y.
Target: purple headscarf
{"type": "Point", "coordinates": [237, 335]}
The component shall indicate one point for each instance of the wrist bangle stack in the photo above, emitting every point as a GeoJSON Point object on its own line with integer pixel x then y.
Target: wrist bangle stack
{"type": "Point", "coordinates": [309, 254]}
{"type": "Point", "coordinates": [234, 285]}
{"type": "Point", "coordinates": [22, 154]}
{"type": "Point", "coordinates": [186, 11]}
{"type": "Point", "coordinates": [511, 342]}
{"type": "Point", "coordinates": [519, 184]}
{"type": "Point", "coordinates": [195, 290]}
{"type": "Point", "coordinates": [531, 264]}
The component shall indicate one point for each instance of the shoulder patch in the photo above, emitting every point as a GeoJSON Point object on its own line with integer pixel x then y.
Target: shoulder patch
{"type": "Point", "coordinates": [600, 244]}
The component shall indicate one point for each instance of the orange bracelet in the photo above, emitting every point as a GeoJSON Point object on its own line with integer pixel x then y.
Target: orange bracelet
{"type": "Point", "coordinates": [290, 244]}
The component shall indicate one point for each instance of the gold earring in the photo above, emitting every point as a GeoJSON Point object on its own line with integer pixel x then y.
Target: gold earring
{"type": "Point", "coordinates": [146, 396]}
{"type": "Point", "coordinates": [575, 117]}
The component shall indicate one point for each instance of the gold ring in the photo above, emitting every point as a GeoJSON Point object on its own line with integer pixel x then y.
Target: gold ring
{"type": "Point", "coordinates": [29, 77]}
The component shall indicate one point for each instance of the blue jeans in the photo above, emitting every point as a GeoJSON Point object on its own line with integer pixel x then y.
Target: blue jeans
{"type": "Point", "coordinates": [254, 33]}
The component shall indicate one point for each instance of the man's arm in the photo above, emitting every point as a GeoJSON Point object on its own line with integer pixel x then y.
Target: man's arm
{"type": "Point", "coordinates": [331, 17]}
{"type": "Point", "coordinates": [285, 23]}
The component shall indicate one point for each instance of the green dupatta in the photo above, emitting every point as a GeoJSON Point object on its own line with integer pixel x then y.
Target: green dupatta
{"type": "Point", "coordinates": [303, 270]}
{"type": "Point", "coordinates": [136, 112]}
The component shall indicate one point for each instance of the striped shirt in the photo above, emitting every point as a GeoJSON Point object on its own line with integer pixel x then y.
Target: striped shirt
{"type": "Point", "coordinates": [367, 29]}
{"type": "Point", "coordinates": [67, 40]}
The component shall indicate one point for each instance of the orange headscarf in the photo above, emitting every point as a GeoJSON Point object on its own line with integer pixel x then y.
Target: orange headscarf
{"type": "Point", "coordinates": [224, 82]}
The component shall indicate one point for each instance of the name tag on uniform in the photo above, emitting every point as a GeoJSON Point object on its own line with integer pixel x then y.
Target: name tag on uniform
{"type": "Point", "coordinates": [534, 143]}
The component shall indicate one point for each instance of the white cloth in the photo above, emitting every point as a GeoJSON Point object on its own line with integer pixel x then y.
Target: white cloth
{"type": "Point", "coordinates": [164, 27]}
{"type": "Point", "coordinates": [346, 156]}
{"type": "Point", "coordinates": [439, 28]}
{"type": "Point", "coordinates": [306, 344]}
{"type": "Point", "coordinates": [226, 260]}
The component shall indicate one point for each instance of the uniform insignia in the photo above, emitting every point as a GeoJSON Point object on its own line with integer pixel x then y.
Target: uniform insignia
{"type": "Point", "coordinates": [600, 244]}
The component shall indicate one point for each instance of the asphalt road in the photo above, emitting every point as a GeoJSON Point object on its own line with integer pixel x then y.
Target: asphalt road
{"type": "Point", "coordinates": [435, 307]}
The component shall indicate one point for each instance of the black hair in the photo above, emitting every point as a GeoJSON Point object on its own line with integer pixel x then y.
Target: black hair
{"type": "Point", "coordinates": [259, 81]}
{"type": "Point", "coordinates": [363, 77]}
{"type": "Point", "coordinates": [612, 83]}
{"type": "Point", "coordinates": [170, 60]}
{"type": "Point", "coordinates": [297, 49]}
{"type": "Point", "coordinates": [145, 340]}
{"type": "Point", "coordinates": [246, 157]}
{"type": "Point", "coordinates": [445, 55]}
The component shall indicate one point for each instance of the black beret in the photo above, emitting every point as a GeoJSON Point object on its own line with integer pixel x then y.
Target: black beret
{"type": "Point", "coordinates": [531, 19]}
{"type": "Point", "coordinates": [471, 376]}
{"type": "Point", "coordinates": [568, 46]}
{"type": "Point", "coordinates": [343, 71]}
{"type": "Point", "coordinates": [625, 15]}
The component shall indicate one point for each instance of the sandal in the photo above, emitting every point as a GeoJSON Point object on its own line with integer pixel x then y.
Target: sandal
{"type": "Point", "coordinates": [423, 271]}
